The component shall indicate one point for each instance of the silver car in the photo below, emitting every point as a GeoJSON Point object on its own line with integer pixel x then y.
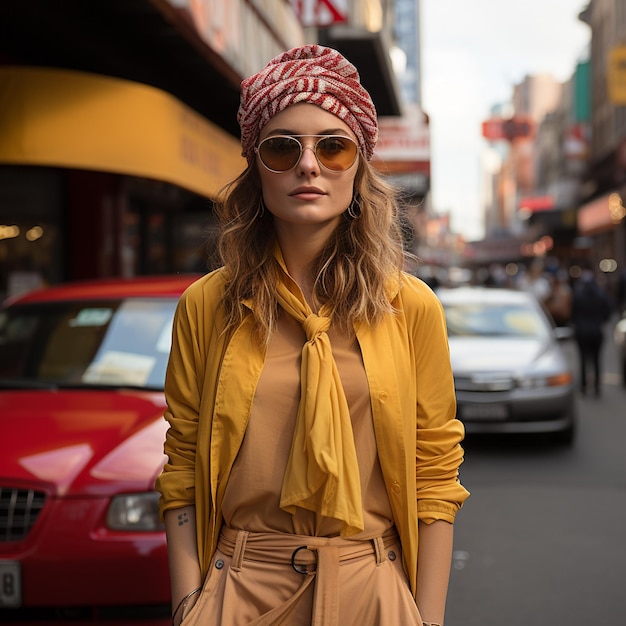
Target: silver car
{"type": "Point", "coordinates": [511, 374]}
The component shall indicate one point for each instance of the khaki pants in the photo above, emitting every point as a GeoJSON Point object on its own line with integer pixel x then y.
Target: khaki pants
{"type": "Point", "coordinates": [272, 579]}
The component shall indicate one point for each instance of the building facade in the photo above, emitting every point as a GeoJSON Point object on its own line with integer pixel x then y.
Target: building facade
{"type": "Point", "coordinates": [601, 215]}
{"type": "Point", "coordinates": [118, 123]}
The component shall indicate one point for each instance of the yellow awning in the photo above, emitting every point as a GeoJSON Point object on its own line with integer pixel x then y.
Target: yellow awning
{"type": "Point", "coordinates": [63, 118]}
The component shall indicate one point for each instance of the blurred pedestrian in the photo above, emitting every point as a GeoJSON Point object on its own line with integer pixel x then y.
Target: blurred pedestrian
{"type": "Point", "coordinates": [536, 281]}
{"type": "Point", "coordinates": [498, 276]}
{"type": "Point", "coordinates": [313, 449]}
{"type": "Point", "coordinates": [591, 309]}
{"type": "Point", "coordinates": [559, 300]}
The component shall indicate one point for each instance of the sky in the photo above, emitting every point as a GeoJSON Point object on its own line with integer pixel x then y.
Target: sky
{"type": "Point", "coordinates": [473, 53]}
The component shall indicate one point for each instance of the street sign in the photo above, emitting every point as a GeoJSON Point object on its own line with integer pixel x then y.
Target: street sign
{"type": "Point", "coordinates": [516, 127]}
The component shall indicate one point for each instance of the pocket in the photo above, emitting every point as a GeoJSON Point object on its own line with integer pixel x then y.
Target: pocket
{"type": "Point", "coordinates": [398, 594]}
{"type": "Point", "coordinates": [207, 609]}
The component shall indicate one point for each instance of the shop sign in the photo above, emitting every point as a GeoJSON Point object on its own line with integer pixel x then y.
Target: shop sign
{"type": "Point", "coordinates": [576, 141]}
{"type": "Point", "coordinates": [403, 143]}
{"type": "Point", "coordinates": [601, 215]}
{"type": "Point", "coordinates": [320, 12]}
{"type": "Point", "coordinates": [532, 204]}
{"type": "Point", "coordinates": [516, 127]}
{"type": "Point", "coordinates": [616, 75]}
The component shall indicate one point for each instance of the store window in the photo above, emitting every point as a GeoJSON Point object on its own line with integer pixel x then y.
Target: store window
{"type": "Point", "coordinates": [30, 229]}
{"type": "Point", "coordinates": [167, 230]}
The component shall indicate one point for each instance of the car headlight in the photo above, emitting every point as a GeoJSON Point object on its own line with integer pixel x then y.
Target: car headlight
{"type": "Point", "coordinates": [135, 512]}
{"type": "Point", "coordinates": [557, 380]}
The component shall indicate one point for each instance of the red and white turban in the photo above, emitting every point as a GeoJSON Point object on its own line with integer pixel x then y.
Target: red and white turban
{"type": "Point", "coordinates": [313, 74]}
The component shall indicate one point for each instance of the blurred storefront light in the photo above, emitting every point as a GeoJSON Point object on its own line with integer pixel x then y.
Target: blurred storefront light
{"type": "Point", "coordinates": [616, 208]}
{"type": "Point", "coordinates": [601, 214]}
{"type": "Point", "coordinates": [34, 233]}
{"type": "Point", "coordinates": [9, 232]}
{"type": "Point", "coordinates": [608, 265]}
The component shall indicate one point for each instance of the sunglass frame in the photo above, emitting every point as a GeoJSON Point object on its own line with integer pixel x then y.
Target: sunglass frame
{"type": "Point", "coordinates": [297, 139]}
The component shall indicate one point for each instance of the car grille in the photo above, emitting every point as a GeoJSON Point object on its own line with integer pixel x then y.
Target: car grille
{"type": "Point", "coordinates": [487, 383]}
{"type": "Point", "coordinates": [19, 509]}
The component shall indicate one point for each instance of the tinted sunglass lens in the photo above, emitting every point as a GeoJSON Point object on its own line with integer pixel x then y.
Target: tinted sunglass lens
{"type": "Point", "coordinates": [336, 153]}
{"type": "Point", "coordinates": [280, 153]}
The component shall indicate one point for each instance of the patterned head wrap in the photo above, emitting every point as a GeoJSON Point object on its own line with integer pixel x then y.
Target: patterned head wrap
{"type": "Point", "coordinates": [313, 74]}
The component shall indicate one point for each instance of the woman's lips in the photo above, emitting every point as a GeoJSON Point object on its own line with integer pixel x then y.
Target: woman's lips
{"type": "Point", "coordinates": [307, 193]}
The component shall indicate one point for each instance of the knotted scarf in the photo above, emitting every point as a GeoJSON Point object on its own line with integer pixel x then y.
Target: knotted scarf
{"type": "Point", "coordinates": [322, 472]}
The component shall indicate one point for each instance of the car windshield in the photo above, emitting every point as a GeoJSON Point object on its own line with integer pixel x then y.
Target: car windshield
{"type": "Point", "coordinates": [494, 319]}
{"type": "Point", "coordinates": [122, 343]}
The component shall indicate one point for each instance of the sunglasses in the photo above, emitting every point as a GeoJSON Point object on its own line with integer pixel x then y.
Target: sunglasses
{"type": "Point", "coordinates": [281, 153]}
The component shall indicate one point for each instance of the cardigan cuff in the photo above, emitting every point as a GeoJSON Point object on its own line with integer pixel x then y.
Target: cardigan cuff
{"type": "Point", "coordinates": [432, 510]}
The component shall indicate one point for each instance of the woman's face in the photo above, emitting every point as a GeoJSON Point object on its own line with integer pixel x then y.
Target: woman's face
{"type": "Point", "coordinates": [307, 194]}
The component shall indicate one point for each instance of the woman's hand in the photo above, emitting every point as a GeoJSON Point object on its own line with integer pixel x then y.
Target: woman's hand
{"type": "Point", "coordinates": [188, 604]}
{"type": "Point", "coordinates": [184, 606]}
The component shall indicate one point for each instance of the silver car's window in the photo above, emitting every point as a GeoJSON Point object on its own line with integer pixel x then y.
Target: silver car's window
{"type": "Point", "coordinates": [494, 319]}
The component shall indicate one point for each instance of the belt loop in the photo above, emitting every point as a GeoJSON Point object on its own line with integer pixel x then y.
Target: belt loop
{"type": "Point", "coordinates": [379, 549]}
{"type": "Point", "coordinates": [238, 552]}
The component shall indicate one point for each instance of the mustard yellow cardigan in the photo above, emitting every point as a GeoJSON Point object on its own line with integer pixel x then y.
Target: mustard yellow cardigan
{"type": "Point", "coordinates": [210, 386]}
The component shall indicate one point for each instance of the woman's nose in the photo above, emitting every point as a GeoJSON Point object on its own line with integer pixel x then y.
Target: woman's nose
{"type": "Point", "coordinates": [308, 161]}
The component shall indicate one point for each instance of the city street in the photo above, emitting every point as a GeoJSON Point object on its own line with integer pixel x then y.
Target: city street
{"type": "Point", "coordinates": [542, 539]}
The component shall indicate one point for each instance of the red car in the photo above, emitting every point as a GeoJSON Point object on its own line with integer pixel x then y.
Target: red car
{"type": "Point", "coordinates": [81, 415]}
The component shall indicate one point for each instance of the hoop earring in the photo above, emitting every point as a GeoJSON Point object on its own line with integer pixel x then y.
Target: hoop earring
{"type": "Point", "coordinates": [354, 210]}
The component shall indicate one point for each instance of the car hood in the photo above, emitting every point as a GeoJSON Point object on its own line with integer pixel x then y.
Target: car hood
{"type": "Point", "coordinates": [489, 354]}
{"type": "Point", "coordinates": [82, 442]}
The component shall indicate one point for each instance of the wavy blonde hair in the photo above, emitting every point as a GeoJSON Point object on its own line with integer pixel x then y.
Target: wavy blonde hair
{"type": "Point", "coordinates": [350, 273]}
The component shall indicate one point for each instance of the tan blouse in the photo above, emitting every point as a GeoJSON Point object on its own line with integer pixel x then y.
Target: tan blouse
{"type": "Point", "coordinates": [252, 496]}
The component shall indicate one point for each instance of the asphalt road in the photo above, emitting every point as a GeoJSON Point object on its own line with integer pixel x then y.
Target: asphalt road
{"type": "Point", "coordinates": [542, 539]}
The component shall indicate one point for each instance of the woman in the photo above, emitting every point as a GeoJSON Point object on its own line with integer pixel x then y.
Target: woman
{"type": "Point", "coordinates": [309, 390]}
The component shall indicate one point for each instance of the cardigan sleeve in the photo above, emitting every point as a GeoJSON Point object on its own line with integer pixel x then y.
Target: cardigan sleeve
{"type": "Point", "coordinates": [439, 454]}
{"type": "Point", "coordinates": [176, 483]}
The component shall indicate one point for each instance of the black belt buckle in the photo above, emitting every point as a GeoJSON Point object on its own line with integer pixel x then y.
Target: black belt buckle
{"type": "Point", "coordinates": [301, 569]}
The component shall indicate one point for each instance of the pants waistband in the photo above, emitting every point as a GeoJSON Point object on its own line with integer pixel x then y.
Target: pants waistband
{"type": "Point", "coordinates": [318, 559]}
{"type": "Point", "coordinates": [298, 550]}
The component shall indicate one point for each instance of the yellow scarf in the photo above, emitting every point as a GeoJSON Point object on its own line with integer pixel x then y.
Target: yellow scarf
{"type": "Point", "coordinates": [322, 472]}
